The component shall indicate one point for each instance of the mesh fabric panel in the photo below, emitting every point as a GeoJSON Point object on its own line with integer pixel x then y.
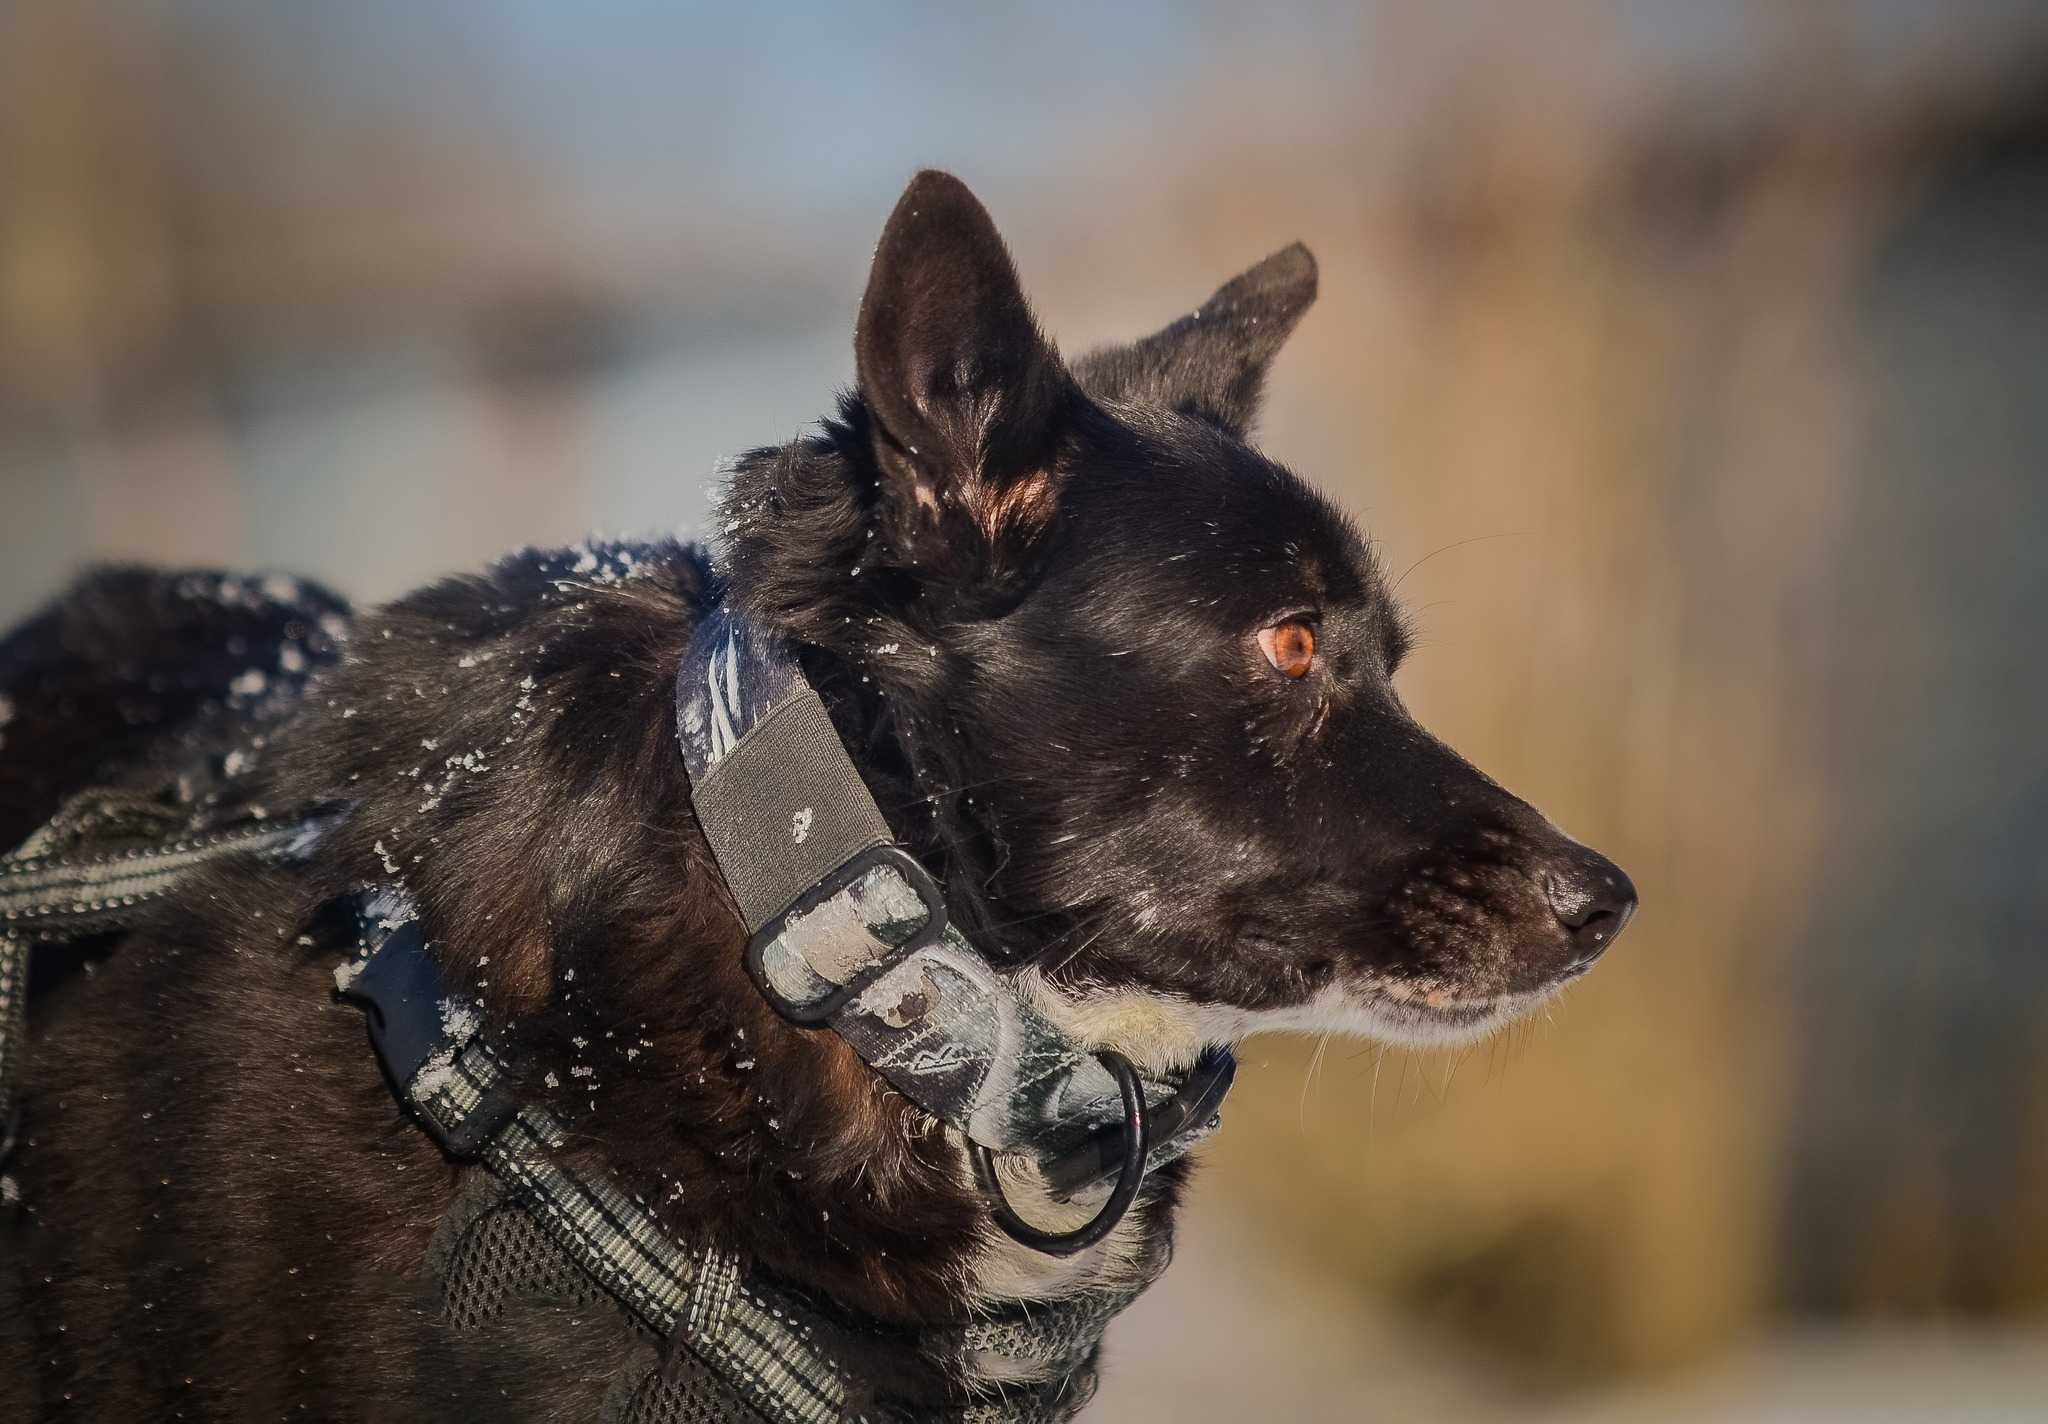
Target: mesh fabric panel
{"type": "Point", "coordinates": [504, 1256]}
{"type": "Point", "coordinates": [691, 1394]}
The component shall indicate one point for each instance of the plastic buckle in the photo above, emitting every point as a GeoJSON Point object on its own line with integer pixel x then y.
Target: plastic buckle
{"type": "Point", "coordinates": [893, 857]}
{"type": "Point", "coordinates": [399, 990]}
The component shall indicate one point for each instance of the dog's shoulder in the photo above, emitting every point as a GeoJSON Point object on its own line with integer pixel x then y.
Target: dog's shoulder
{"type": "Point", "coordinates": [131, 665]}
{"type": "Point", "coordinates": [475, 643]}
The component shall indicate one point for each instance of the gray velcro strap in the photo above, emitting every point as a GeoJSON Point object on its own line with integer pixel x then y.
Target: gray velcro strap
{"type": "Point", "coordinates": [785, 808]}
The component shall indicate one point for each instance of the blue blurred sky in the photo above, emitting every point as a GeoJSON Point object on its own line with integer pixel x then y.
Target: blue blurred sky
{"type": "Point", "coordinates": [826, 104]}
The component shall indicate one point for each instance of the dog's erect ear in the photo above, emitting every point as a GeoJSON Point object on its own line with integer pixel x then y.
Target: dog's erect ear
{"type": "Point", "coordinates": [968, 399]}
{"type": "Point", "coordinates": [1213, 362]}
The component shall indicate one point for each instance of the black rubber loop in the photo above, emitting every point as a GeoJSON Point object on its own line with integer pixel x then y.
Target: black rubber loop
{"type": "Point", "coordinates": [1137, 1147]}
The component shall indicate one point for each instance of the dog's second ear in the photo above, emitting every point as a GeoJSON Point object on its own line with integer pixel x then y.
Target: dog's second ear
{"type": "Point", "coordinates": [1212, 363]}
{"type": "Point", "coordinates": [968, 399]}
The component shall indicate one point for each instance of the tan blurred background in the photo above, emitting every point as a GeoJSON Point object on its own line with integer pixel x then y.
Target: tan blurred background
{"type": "Point", "coordinates": [1690, 359]}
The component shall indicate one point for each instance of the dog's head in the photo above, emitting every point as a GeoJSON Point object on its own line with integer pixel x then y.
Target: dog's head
{"type": "Point", "coordinates": [1131, 682]}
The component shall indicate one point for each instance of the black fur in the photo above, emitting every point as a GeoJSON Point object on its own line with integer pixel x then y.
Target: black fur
{"type": "Point", "coordinates": [1031, 595]}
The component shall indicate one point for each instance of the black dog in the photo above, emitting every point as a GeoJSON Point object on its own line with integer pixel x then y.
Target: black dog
{"type": "Point", "coordinates": [1120, 681]}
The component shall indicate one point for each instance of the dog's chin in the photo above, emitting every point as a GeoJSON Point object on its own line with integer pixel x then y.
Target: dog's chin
{"type": "Point", "coordinates": [1388, 1015]}
{"type": "Point", "coordinates": [1164, 1033]}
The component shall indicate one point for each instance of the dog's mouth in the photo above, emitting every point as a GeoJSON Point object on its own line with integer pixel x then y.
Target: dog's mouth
{"type": "Point", "coordinates": [1400, 1004]}
{"type": "Point", "coordinates": [1395, 1012]}
{"type": "Point", "coordinates": [1166, 1033]}
{"type": "Point", "coordinates": [1390, 1010]}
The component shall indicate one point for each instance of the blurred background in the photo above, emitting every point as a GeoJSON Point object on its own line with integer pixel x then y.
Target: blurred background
{"type": "Point", "coordinates": [1689, 361]}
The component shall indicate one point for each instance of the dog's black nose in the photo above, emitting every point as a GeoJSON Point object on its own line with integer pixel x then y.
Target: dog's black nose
{"type": "Point", "coordinates": [1592, 899]}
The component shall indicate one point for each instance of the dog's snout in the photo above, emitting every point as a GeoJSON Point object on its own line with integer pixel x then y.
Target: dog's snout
{"type": "Point", "coordinates": [1592, 898]}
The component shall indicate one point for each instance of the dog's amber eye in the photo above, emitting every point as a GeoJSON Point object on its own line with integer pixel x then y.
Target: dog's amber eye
{"type": "Point", "coordinates": [1290, 646]}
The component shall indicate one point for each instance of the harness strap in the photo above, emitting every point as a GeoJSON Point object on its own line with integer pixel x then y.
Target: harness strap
{"type": "Point", "coordinates": [13, 1037]}
{"type": "Point", "coordinates": [763, 1338]}
{"type": "Point", "coordinates": [95, 868]}
{"type": "Point", "coordinates": [57, 897]}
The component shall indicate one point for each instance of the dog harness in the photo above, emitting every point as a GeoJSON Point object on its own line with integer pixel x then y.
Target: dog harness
{"type": "Point", "coordinates": [847, 933]}
{"type": "Point", "coordinates": [96, 868]}
{"type": "Point", "coordinates": [720, 1340]}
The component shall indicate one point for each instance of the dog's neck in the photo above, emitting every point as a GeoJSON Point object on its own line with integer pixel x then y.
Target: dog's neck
{"type": "Point", "coordinates": [800, 529]}
{"type": "Point", "coordinates": [508, 749]}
